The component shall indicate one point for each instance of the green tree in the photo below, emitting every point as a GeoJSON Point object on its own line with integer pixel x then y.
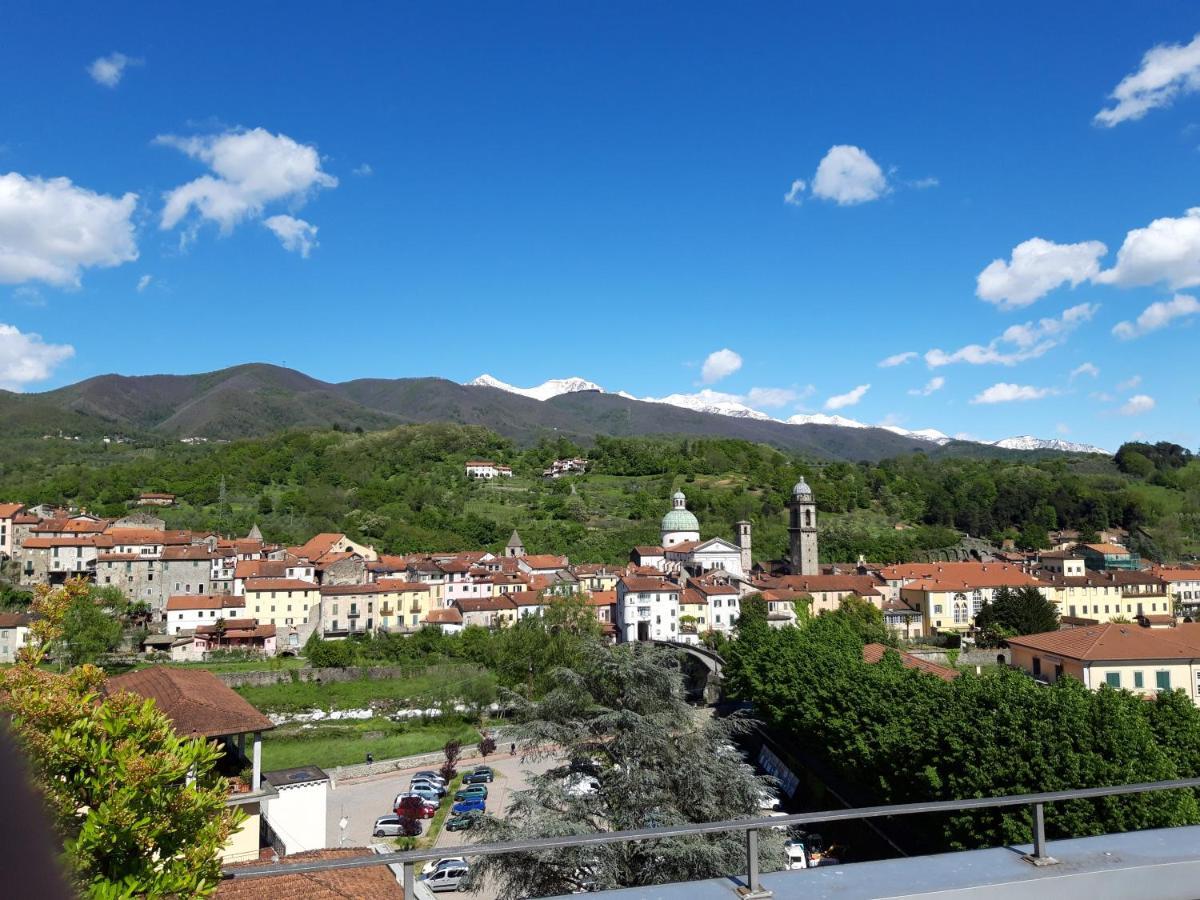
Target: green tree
{"type": "Point", "coordinates": [89, 629]}
{"type": "Point", "coordinates": [625, 745]}
{"type": "Point", "coordinates": [140, 809]}
{"type": "Point", "coordinates": [1014, 611]}
{"type": "Point", "coordinates": [865, 618]}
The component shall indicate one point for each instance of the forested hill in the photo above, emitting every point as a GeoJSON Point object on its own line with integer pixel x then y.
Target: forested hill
{"type": "Point", "coordinates": [257, 400]}
{"type": "Point", "coordinates": [404, 490]}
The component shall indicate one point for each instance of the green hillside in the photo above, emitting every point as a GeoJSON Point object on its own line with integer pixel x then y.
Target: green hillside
{"type": "Point", "coordinates": [404, 490]}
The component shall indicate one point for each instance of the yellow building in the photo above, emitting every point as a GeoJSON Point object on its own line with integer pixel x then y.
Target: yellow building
{"type": "Point", "coordinates": [1097, 597]}
{"type": "Point", "coordinates": [403, 605]}
{"type": "Point", "coordinates": [1138, 659]}
{"type": "Point", "coordinates": [291, 605]}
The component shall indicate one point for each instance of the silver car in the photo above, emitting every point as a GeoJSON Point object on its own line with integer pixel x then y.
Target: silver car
{"type": "Point", "coordinates": [448, 878]}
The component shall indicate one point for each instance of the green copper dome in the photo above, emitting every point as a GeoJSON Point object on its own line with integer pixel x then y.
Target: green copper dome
{"type": "Point", "coordinates": [680, 520]}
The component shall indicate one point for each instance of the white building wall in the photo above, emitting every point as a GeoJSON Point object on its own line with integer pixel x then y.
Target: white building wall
{"type": "Point", "coordinates": [297, 815]}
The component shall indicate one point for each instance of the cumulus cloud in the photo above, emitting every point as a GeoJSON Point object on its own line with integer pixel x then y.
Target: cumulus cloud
{"type": "Point", "coordinates": [1167, 71]}
{"type": "Point", "coordinates": [932, 386]}
{"type": "Point", "coordinates": [1018, 343]}
{"type": "Point", "coordinates": [1003, 392]}
{"type": "Point", "coordinates": [719, 364]}
{"type": "Point", "coordinates": [26, 358]}
{"type": "Point", "coordinates": [847, 175]}
{"type": "Point", "coordinates": [898, 359]}
{"type": "Point", "coordinates": [1158, 315]}
{"type": "Point", "coordinates": [1136, 405]}
{"type": "Point", "coordinates": [51, 230]}
{"type": "Point", "coordinates": [774, 397]}
{"type": "Point", "coordinates": [250, 169]}
{"type": "Point", "coordinates": [795, 194]}
{"type": "Point", "coordinates": [1037, 266]}
{"type": "Point", "coordinates": [295, 234]}
{"type": "Point", "coordinates": [850, 398]}
{"type": "Point", "coordinates": [144, 282]}
{"type": "Point", "coordinates": [109, 70]}
{"type": "Point", "coordinates": [1165, 250]}
{"type": "Point", "coordinates": [1086, 368]}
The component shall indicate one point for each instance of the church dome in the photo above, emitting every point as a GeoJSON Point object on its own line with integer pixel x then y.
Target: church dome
{"type": "Point", "coordinates": [680, 520]}
{"type": "Point", "coordinates": [801, 489]}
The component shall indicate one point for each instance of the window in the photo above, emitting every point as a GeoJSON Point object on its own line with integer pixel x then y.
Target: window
{"type": "Point", "coordinates": [1138, 681]}
{"type": "Point", "coordinates": [1037, 665]}
{"type": "Point", "coordinates": [937, 609]}
{"type": "Point", "coordinates": [976, 602]}
{"type": "Point", "coordinates": [1113, 679]}
{"type": "Point", "coordinates": [960, 612]}
{"type": "Point", "coordinates": [1162, 680]}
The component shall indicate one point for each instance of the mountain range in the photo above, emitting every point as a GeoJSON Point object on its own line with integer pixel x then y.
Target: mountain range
{"type": "Point", "coordinates": [258, 399]}
{"type": "Point", "coordinates": [723, 405]}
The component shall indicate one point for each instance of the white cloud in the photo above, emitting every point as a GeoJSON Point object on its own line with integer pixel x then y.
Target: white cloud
{"type": "Point", "coordinates": [1086, 368]}
{"type": "Point", "coordinates": [1158, 315]}
{"type": "Point", "coordinates": [1136, 405]}
{"type": "Point", "coordinates": [144, 282]}
{"type": "Point", "coordinates": [363, 171]}
{"type": "Point", "coordinates": [922, 184]}
{"type": "Point", "coordinates": [719, 364]}
{"type": "Point", "coordinates": [850, 398]}
{"type": "Point", "coordinates": [1028, 341]}
{"type": "Point", "coordinates": [847, 175]}
{"type": "Point", "coordinates": [795, 194]}
{"type": "Point", "coordinates": [1102, 396]}
{"type": "Point", "coordinates": [51, 229]}
{"type": "Point", "coordinates": [1129, 383]}
{"type": "Point", "coordinates": [25, 358]}
{"type": "Point", "coordinates": [933, 385]}
{"type": "Point", "coordinates": [109, 70]}
{"type": "Point", "coordinates": [771, 397]}
{"type": "Point", "coordinates": [898, 359]}
{"type": "Point", "coordinates": [1037, 267]}
{"type": "Point", "coordinates": [250, 169]}
{"type": "Point", "coordinates": [1167, 71]}
{"type": "Point", "coordinates": [1003, 392]}
{"type": "Point", "coordinates": [1165, 250]}
{"type": "Point", "coordinates": [295, 234]}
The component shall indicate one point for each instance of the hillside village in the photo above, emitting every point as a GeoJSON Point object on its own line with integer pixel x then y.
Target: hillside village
{"type": "Point", "coordinates": [202, 591]}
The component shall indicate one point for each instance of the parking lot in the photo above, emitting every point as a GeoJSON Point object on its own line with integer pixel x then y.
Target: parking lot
{"type": "Point", "coordinates": [363, 800]}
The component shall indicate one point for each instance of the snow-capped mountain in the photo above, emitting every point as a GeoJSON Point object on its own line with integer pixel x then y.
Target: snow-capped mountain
{"type": "Point", "coordinates": [921, 434]}
{"type": "Point", "coordinates": [1029, 442]}
{"type": "Point", "coordinates": [543, 391]}
{"type": "Point", "coordinates": [722, 404]}
{"type": "Point", "coordinates": [822, 419]}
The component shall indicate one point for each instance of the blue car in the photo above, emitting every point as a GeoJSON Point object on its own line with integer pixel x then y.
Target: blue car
{"type": "Point", "coordinates": [472, 804]}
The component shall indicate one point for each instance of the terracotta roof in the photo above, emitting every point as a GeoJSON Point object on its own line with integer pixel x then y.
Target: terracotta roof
{"type": "Point", "coordinates": [73, 526]}
{"type": "Point", "coordinates": [369, 883]}
{"type": "Point", "coordinates": [648, 585]}
{"type": "Point", "coordinates": [399, 584]}
{"type": "Point", "coordinates": [648, 571]}
{"type": "Point", "coordinates": [337, 589]}
{"type": "Point", "coordinates": [683, 547]}
{"type": "Point", "coordinates": [1109, 578]}
{"type": "Point", "coordinates": [279, 584]}
{"type": "Point", "coordinates": [1114, 641]}
{"type": "Point", "coordinates": [454, 565]}
{"type": "Point", "coordinates": [195, 700]}
{"type": "Point", "coordinates": [192, 551]}
{"type": "Point", "coordinates": [448, 616]}
{"type": "Point", "coordinates": [873, 653]}
{"type": "Point", "coordinates": [42, 543]}
{"type": "Point", "coordinates": [960, 571]}
{"type": "Point", "coordinates": [1108, 549]}
{"type": "Point", "coordinates": [8, 510]}
{"type": "Point", "coordinates": [484, 604]}
{"type": "Point", "coordinates": [863, 585]}
{"type": "Point", "coordinates": [1059, 554]}
{"type": "Point", "coordinates": [1174, 575]}
{"type": "Point", "coordinates": [25, 519]}
{"type": "Point", "coordinates": [263, 568]}
{"type": "Point", "coordinates": [602, 598]}
{"type": "Point", "coordinates": [155, 495]}
{"type": "Point", "coordinates": [239, 628]}
{"type": "Point", "coordinates": [525, 598]}
{"type": "Point", "coordinates": [710, 590]}
{"type": "Point", "coordinates": [14, 620]}
{"type": "Point", "coordinates": [545, 561]}
{"type": "Point", "coordinates": [182, 602]}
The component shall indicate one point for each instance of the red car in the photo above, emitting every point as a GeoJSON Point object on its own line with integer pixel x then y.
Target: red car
{"type": "Point", "coordinates": [414, 807]}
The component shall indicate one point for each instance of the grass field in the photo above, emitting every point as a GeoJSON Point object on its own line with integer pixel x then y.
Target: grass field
{"type": "Point", "coordinates": [424, 686]}
{"type": "Point", "coordinates": [348, 743]}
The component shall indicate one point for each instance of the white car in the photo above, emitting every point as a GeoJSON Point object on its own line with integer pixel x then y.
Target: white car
{"type": "Point", "coordinates": [450, 878]}
{"type": "Point", "coordinates": [434, 864]}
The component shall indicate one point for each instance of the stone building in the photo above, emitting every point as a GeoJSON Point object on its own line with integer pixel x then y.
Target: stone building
{"type": "Point", "coordinates": [802, 531]}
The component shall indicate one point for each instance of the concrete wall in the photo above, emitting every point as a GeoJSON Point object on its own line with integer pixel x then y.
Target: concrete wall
{"type": "Point", "coordinates": [237, 679]}
{"type": "Point", "coordinates": [297, 816]}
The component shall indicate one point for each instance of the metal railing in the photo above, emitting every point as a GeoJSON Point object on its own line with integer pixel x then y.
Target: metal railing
{"type": "Point", "coordinates": [753, 889]}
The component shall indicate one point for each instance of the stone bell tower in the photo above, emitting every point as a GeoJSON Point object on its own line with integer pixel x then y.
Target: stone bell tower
{"type": "Point", "coordinates": [743, 542]}
{"type": "Point", "coordinates": [802, 531]}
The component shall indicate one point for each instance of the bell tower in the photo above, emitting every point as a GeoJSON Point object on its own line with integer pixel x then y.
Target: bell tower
{"type": "Point", "coordinates": [743, 542]}
{"type": "Point", "coordinates": [802, 531]}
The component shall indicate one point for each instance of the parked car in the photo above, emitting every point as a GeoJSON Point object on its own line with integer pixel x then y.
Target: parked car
{"type": "Point", "coordinates": [427, 792]}
{"type": "Point", "coordinates": [393, 825]}
{"type": "Point", "coordinates": [421, 784]}
{"type": "Point", "coordinates": [430, 774]}
{"type": "Point", "coordinates": [434, 864]}
{"type": "Point", "coordinates": [479, 775]}
{"type": "Point", "coordinates": [451, 878]}
{"type": "Point", "coordinates": [471, 804]}
{"type": "Point", "coordinates": [415, 807]}
{"type": "Point", "coordinates": [474, 790]}
{"type": "Point", "coordinates": [461, 822]}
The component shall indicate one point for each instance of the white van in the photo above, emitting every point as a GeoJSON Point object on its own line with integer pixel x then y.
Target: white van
{"type": "Point", "coordinates": [448, 878]}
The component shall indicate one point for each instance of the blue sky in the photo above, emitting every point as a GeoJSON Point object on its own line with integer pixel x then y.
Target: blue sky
{"type": "Point", "coordinates": [546, 189]}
